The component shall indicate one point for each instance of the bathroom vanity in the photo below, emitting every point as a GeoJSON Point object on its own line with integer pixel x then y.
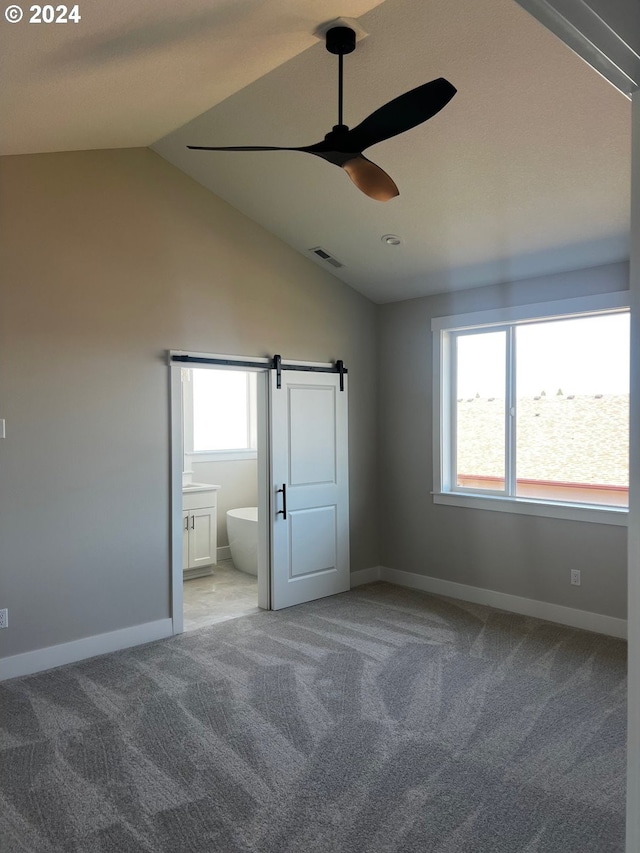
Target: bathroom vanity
{"type": "Point", "coordinates": [199, 529]}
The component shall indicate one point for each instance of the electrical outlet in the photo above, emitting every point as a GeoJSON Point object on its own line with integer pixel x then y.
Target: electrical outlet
{"type": "Point", "coordinates": [575, 577]}
{"type": "Point", "coordinates": [4, 618]}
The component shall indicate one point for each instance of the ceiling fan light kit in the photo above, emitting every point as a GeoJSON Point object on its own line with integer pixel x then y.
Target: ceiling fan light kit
{"type": "Point", "coordinates": [344, 147]}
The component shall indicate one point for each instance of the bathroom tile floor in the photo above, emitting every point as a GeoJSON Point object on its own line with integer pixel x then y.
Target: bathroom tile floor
{"type": "Point", "coordinates": [225, 594]}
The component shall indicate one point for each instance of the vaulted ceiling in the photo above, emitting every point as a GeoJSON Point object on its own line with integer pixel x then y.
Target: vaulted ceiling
{"type": "Point", "coordinates": [525, 172]}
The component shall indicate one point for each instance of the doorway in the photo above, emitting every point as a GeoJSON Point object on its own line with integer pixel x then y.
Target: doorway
{"type": "Point", "coordinates": [282, 537]}
{"type": "Point", "coordinates": [219, 494]}
{"type": "Point", "coordinates": [219, 462]}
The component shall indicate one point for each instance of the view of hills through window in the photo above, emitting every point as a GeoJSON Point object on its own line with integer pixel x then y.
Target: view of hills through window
{"type": "Point", "coordinates": [571, 396]}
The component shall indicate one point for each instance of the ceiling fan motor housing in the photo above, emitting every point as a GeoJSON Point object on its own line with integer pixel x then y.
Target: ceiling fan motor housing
{"type": "Point", "coordinates": [341, 40]}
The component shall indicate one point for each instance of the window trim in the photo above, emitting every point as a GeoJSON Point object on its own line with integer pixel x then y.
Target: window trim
{"type": "Point", "coordinates": [443, 371]}
{"type": "Point", "coordinates": [198, 456]}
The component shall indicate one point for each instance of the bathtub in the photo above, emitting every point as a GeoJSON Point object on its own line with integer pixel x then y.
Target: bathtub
{"type": "Point", "coordinates": [242, 529]}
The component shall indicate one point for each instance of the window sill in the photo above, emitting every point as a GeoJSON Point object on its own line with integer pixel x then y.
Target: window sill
{"type": "Point", "coordinates": [221, 455]}
{"type": "Point", "coordinates": [520, 506]}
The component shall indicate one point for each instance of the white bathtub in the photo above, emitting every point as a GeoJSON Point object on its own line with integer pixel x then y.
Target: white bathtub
{"type": "Point", "coordinates": [242, 529]}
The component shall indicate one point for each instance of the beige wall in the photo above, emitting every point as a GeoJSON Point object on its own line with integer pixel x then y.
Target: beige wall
{"type": "Point", "coordinates": [109, 259]}
{"type": "Point", "coordinates": [516, 554]}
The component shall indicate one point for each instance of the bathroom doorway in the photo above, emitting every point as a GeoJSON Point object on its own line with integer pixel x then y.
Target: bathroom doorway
{"type": "Point", "coordinates": [221, 455]}
{"type": "Point", "coordinates": [301, 448]}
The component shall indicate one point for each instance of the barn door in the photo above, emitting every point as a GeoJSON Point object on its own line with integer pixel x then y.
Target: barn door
{"type": "Point", "coordinates": [309, 481]}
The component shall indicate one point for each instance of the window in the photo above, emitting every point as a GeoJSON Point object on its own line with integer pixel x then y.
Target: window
{"type": "Point", "coordinates": [219, 413]}
{"type": "Point", "coordinates": [533, 409]}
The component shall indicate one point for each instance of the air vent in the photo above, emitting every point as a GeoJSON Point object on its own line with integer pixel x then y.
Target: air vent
{"type": "Point", "coordinates": [325, 256]}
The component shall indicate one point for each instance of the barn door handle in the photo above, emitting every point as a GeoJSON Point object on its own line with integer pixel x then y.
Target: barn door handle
{"type": "Point", "coordinates": [283, 511]}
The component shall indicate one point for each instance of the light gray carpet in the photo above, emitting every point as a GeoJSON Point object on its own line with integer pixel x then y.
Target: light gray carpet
{"type": "Point", "coordinates": [378, 720]}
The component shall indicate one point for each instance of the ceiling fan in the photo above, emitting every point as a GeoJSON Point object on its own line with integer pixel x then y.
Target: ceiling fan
{"type": "Point", "coordinates": [344, 147]}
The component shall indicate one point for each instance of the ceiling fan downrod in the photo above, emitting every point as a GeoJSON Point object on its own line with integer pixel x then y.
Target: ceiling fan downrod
{"type": "Point", "coordinates": [340, 41]}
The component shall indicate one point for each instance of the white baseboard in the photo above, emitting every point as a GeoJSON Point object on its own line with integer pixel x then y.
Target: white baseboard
{"type": "Point", "coordinates": [88, 647]}
{"type": "Point", "coordinates": [47, 658]}
{"type": "Point", "coordinates": [366, 576]}
{"type": "Point", "coordinates": [502, 601]}
{"type": "Point", "coordinates": [223, 553]}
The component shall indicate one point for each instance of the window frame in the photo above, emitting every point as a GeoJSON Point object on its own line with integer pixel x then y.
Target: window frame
{"type": "Point", "coordinates": [212, 455]}
{"type": "Point", "coordinates": [445, 330]}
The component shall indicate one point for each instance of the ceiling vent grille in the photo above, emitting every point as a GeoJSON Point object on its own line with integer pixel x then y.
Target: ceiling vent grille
{"type": "Point", "coordinates": [325, 256]}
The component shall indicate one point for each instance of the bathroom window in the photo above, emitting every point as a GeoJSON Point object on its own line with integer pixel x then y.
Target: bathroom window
{"type": "Point", "coordinates": [533, 411]}
{"type": "Point", "coordinates": [219, 414]}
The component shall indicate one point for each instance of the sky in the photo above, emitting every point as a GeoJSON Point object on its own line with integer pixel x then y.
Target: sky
{"type": "Point", "coordinates": [588, 355]}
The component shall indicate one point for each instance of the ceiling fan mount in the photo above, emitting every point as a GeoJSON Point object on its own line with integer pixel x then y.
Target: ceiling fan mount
{"type": "Point", "coordinates": [344, 147]}
{"type": "Point", "coordinates": [340, 40]}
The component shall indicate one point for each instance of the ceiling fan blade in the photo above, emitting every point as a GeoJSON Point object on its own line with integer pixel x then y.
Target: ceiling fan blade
{"type": "Point", "coordinates": [403, 113]}
{"type": "Point", "coordinates": [370, 179]}
{"type": "Point", "coordinates": [241, 148]}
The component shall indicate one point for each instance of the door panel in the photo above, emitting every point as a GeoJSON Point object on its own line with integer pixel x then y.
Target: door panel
{"type": "Point", "coordinates": [201, 538]}
{"type": "Point", "coordinates": [312, 439]}
{"type": "Point", "coordinates": [313, 541]}
{"type": "Point", "coordinates": [309, 460]}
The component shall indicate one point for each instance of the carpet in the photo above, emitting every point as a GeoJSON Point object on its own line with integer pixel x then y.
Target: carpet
{"type": "Point", "coordinates": [382, 720]}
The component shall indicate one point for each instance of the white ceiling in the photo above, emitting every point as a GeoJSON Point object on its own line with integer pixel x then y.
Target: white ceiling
{"type": "Point", "coordinates": [525, 172]}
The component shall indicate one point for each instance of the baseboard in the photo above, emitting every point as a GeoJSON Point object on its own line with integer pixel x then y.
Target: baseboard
{"type": "Point", "coordinates": [366, 576]}
{"type": "Point", "coordinates": [200, 572]}
{"type": "Point", "coordinates": [40, 659]}
{"type": "Point", "coordinates": [502, 601]}
{"type": "Point", "coordinates": [223, 553]}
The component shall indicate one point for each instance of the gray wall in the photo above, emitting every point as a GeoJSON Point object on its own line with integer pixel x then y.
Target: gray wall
{"type": "Point", "coordinates": [109, 259]}
{"type": "Point", "coordinates": [516, 554]}
{"type": "Point", "coordinates": [596, 29]}
{"type": "Point", "coordinates": [623, 16]}
{"type": "Point", "coordinates": [633, 779]}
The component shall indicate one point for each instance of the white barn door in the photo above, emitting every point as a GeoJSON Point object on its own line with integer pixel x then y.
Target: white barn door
{"type": "Point", "coordinates": [310, 492]}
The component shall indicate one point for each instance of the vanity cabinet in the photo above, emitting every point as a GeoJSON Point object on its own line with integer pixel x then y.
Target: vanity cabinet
{"type": "Point", "coordinates": [199, 531]}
